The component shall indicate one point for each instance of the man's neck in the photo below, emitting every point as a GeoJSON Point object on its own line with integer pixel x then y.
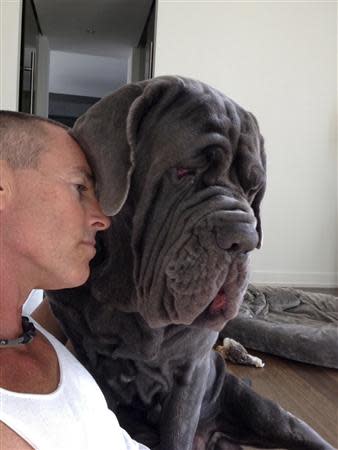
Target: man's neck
{"type": "Point", "coordinates": [13, 294]}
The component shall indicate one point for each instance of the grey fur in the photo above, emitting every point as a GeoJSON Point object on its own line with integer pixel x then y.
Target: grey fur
{"type": "Point", "coordinates": [146, 321]}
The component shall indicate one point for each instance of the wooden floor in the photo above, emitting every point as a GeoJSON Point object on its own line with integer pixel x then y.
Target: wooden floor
{"type": "Point", "coordinates": [309, 392]}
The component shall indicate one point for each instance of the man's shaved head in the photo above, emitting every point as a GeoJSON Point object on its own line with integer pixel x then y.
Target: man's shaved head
{"type": "Point", "coordinates": [23, 137]}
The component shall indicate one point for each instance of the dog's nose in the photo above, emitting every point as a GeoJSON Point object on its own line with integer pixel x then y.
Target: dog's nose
{"type": "Point", "coordinates": [239, 237]}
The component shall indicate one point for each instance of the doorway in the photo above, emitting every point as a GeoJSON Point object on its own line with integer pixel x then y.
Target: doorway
{"type": "Point", "coordinates": [82, 50]}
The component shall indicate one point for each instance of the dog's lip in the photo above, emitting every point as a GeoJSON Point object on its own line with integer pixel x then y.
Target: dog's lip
{"type": "Point", "coordinates": [219, 303]}
{"type": "Point", "coordinates": [219, 310]}
{"type": "Point", "coordinates": [224, 302]}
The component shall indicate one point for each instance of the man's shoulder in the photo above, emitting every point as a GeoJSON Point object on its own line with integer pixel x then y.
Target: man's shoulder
{"type": "Point", "coordinates": [11, 440]}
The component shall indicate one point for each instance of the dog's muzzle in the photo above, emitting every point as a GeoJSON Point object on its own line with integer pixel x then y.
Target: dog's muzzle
{"type": "Point", "coordinates": [233, 231]}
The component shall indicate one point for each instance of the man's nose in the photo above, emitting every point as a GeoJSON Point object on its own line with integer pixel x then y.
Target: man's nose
{"type": "Point", "coordinates": [97, 218]}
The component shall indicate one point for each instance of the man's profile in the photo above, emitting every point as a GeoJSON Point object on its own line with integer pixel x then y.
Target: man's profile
{"type": "Point", "coordinates": [49, 216]}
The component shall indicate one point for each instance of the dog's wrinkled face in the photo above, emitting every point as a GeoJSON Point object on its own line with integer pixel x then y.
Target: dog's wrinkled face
{"type": "Point", "coordinates": [197, 183]}
{"type": "Point", "coordinates": [195, 222]}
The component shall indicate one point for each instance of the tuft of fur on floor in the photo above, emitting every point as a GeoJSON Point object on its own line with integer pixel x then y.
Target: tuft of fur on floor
{"type": "Point", "coordinates": [234, 352]}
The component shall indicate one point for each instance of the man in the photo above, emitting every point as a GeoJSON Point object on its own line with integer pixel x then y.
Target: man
{"type": "Point", "coordinates": [49, 216]}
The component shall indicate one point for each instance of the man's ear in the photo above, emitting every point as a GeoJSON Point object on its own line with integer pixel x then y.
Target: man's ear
{"type": "Point", "coordinates": [6, 184]}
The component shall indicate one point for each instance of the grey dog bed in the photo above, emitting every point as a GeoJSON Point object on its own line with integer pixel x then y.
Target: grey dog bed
{"type": "Point", "coordinates": [299, 325]}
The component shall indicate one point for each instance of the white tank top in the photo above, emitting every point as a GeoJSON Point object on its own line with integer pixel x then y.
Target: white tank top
{"type": "Point", "coordinates": [75, 416]}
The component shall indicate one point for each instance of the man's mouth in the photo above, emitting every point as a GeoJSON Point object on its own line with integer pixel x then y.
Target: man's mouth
{"type": "Point", "coordinates": [90, 245]}
{"type": "Point", "coordinates": [91, 242]}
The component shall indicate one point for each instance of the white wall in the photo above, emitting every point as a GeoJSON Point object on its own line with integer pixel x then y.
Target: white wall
{"type": "Point", "coordinates": [279, 60]}
{"type": "Point", "coordinates": [87, 75]}
{"type": "Point", "coordinates": [10, 39]}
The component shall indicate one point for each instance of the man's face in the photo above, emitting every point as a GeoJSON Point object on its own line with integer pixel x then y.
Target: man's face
{"type": "Point", "coordinates": [54, 215]}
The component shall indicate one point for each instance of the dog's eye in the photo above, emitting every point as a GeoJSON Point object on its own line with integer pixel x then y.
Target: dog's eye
{"type": "Point", "coordinates": [180, 172]}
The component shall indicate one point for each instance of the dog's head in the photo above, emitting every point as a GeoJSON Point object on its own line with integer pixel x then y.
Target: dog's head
{"type": "Point", "coordinates": [190, 163]}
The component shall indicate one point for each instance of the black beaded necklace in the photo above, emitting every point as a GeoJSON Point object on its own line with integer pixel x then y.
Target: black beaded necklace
{"type": "Point", "coordinates": [29, 332]}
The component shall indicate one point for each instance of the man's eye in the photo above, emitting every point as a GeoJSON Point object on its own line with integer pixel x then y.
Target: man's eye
{"type": "Point", "coordinates": [81, 188]}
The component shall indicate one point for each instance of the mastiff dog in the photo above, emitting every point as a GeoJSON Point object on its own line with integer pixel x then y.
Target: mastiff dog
{"type": "Point", "coordinates": [181, 168]}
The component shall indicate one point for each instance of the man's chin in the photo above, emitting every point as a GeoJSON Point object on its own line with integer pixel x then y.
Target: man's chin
{"type": "Point", "coordinates": [70, 280]}
{"type": "Point", "coordinates": [79, 279]}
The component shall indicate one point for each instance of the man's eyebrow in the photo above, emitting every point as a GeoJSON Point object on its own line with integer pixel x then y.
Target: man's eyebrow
{"type": "Point", "coordinates": [84, 172]}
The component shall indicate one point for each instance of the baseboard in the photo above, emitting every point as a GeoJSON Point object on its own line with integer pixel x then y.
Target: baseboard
{"type": "Point", "coordinates": [305, 279]}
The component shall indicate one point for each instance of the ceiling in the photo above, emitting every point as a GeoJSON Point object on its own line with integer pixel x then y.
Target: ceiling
{"type": "Point", "coordinates": [93, 27]}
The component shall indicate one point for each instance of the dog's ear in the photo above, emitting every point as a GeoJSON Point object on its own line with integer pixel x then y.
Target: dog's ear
{"type": "Point", "coordinates": [158, 94]}
{"type": "Point", "coordinates": [260, 194]}
{"type": "Point", "coordinates": [102, 134]}
{"type": "Point", "coordinates": [251, 166]}
{"type": "Point", "coordinates": [108, 134]}
{"type": "Point", "coordinates": [256, 209]}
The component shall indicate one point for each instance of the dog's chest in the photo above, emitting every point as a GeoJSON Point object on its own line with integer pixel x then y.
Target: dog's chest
{"type": "Point", "coordinates": [142, 365]}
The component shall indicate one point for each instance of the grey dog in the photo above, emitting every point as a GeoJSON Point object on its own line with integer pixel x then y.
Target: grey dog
{"type": "Point", "coordinates": [181, 167]}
